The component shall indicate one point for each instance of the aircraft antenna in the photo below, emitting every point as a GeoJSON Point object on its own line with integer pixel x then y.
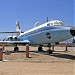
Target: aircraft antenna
{"type": "Point", "coordinates": [47, 19]}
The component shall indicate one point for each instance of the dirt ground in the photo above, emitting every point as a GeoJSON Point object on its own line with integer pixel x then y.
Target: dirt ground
{"type": "Point", "coordinates": [39, 63]}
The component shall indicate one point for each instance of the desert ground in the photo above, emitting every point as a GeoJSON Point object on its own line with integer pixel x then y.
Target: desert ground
{"type": "Point", "coordinates": [38, 63]}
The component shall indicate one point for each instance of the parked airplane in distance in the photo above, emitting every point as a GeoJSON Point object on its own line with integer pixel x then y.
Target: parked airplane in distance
{"type": "Point", "coordinates": [69, 42]}
{"type": "Point", "coordinates": [51, 32]}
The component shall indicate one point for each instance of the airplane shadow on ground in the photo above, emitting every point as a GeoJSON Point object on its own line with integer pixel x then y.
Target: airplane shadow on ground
{"type": "Point", "coordinates": [59, 55]}
{"type": "Point", "coordinates": [15, 51]}
{"type": "Point", "coordinates": [66, 56]}
{"type": "Point", "coordinates": [18, 51]}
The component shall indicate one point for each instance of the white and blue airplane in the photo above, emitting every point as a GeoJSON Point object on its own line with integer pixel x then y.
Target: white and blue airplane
{"type": "Point", "coordinates": [51, 32]}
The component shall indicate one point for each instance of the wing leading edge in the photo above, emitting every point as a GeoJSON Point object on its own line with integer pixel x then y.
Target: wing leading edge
{"type": "Point", "coordinates": [15, 42]}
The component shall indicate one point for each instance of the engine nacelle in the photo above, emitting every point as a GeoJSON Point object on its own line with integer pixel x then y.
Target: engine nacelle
{"type": "Point", "coordinates": [15, 38]}
{"type": "Point", "coordinates": [11, 38]}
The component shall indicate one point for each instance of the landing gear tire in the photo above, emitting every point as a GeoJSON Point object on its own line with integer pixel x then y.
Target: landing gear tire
{"type": "Point", "coordinates": [50, 51]}
{"type": "Point", "coordinates": [16, 49]}
{"type": "Point", "coordinates": [40, 49]}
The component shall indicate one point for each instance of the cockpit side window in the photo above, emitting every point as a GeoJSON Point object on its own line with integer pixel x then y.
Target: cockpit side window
{"type": "Point", "coordinates": [56, 23]}
{"type": "Point", "coordinates": [61, 23]}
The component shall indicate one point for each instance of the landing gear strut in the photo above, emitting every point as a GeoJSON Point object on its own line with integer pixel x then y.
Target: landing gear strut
{"type": "Point", "coordinates": [40, 48]}
{"type": "Point", "coordinates": [16, 48]}
{"type": "Point", "coordinates": [49, 50]}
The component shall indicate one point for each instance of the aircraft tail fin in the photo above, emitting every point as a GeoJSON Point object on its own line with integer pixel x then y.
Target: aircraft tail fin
{"type": "Point", "coordinates": [18, 29]}
{"type": "Point", "coordinates": [18, 26]}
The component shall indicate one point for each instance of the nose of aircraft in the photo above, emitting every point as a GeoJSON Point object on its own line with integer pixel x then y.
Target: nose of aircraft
{"type": "Point", "coordinates": [72, 31]}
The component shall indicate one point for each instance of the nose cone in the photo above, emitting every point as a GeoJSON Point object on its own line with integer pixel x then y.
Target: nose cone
{"type": "Point", "coordinates": [72, 31]}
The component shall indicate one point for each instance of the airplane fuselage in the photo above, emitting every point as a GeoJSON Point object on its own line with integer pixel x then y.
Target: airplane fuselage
{"type": "Point", "coordinates": [47, 33]}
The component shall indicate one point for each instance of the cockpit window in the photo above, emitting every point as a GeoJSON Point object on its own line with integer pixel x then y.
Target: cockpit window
{"type": "Point", "coordinates": [58, 23]}
{"type": "Point", "coordinates": [61, 23]}
{"type": "Point", "coordinates": [55, 23]}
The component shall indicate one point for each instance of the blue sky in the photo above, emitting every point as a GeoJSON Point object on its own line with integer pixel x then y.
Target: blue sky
{"type": "Point", "coordinates": [30, 11]}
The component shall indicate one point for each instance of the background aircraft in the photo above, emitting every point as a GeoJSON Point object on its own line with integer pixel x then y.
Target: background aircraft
{"type": "Point", "coordinates": [70, 41]}
{"type": "Point", "coordinates": [51, 32]}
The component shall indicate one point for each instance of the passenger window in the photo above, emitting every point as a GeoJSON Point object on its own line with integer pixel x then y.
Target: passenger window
{"type": "Point", "coordinates": [34, 31]}
{"type": "Point", "coordinates": [51, 23]}
{"type": "Point", "coordinates": [48, 24]}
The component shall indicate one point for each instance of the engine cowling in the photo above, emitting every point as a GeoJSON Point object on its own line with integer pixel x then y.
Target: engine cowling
{"type": "Point", "coordinates": [15, 38]}
{"type": "Point", "coordinates": [10, 38]}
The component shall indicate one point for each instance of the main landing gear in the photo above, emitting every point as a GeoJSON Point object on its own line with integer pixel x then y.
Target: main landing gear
{"type": "Point", "coordinates": [40, 48]}
{"type": "Point", "coordinates": [16, 48]}
{"type": "Point", "coordinates": [49, 50]}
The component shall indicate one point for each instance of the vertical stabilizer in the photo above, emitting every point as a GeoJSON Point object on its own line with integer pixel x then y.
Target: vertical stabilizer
{"type": "Point", "coordinates": [18, 28]}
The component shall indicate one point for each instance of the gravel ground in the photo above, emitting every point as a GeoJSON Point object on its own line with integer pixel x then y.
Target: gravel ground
{"type": "Point", "coordinates": [38, 63]}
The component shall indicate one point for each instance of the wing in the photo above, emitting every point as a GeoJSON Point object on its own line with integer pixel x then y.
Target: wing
{"type": "Point", "coordinates": [14, 42]}
{"type": "Point", "coordinates": [8, 32]}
